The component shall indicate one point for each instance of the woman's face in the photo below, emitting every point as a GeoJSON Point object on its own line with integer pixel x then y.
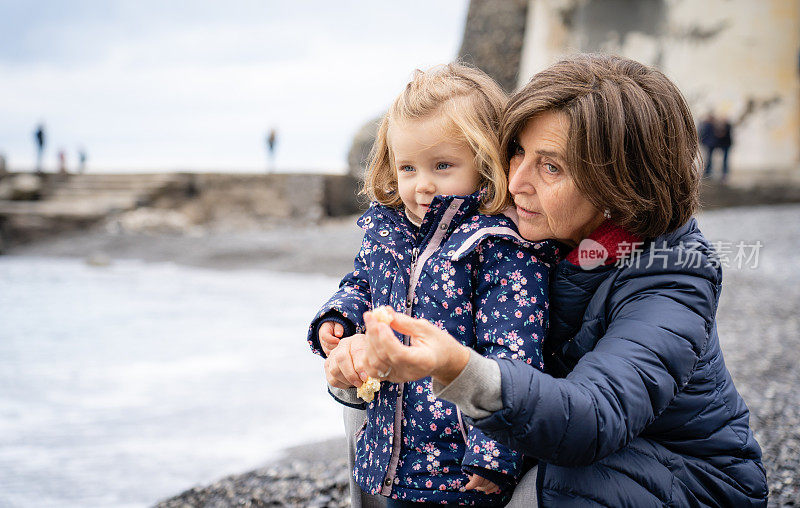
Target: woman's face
{"type": "Point", "coordinates": [547, 201]}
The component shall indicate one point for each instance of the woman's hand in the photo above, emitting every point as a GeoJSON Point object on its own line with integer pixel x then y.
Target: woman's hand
{"type": "Point", "coordinates": [340, 370]}
{"type": "Point", "coordinates": [431, 352]}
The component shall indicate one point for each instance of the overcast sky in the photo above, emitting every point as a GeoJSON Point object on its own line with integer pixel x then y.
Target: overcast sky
{"type": "Point", "coordinates": [195, 85]}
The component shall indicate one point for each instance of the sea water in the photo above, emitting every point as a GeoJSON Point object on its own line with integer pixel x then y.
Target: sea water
{"type": "Point", "coordinates": [125, 384]}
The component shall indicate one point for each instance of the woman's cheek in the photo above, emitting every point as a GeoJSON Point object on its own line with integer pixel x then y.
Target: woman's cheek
{"type": "Point", "coordinates": [556, 210]}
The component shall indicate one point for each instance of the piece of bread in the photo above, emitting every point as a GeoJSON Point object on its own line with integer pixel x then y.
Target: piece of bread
{"type": "Point", "coordinates": [384, 314]}
{"type": "Point", "coordinates": [367, 391]}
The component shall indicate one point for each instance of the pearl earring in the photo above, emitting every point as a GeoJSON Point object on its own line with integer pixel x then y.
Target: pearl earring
{"type": "Point", "coordinates": [607, 213]}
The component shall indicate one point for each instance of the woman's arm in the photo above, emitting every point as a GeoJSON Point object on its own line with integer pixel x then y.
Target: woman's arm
{"type": "Point", "coordinates": [658, 328]}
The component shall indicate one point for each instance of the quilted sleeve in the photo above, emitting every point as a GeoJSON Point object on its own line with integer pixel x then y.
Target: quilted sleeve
{"type": "Point", "coordinates": [658, 327]}
{"type": "Point", "coordinates": [349, 303]}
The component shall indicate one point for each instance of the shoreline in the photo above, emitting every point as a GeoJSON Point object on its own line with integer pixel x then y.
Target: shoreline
{"type": "Point", "coordinates": [757, 320]}
{"type": "Point", "coordinates": [326, 248]}
{"type": "Point", "coordinates": [310, 475]}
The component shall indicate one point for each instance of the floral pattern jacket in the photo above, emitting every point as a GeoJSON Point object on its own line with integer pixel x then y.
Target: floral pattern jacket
{"type": "Point", "coordinates": [474, 276]}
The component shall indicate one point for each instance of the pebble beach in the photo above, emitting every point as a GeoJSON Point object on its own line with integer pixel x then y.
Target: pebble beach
{"type": "Point", "coordinates": [758, 324]}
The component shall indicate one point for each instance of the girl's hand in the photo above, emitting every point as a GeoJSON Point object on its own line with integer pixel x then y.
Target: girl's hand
{"type": "Point", "coordinates": [432, 351]}
{"type": "Point", "coordinates": [330, 332]}
{"type": "Point", "coordinates": [481, 484]}
{"type": "Point", "coordinates": [340, 370]}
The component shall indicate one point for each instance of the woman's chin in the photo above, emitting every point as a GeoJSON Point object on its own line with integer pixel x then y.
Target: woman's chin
{"type": "Point", "coordinates": [534, 234]}
{"type": "Point", "coordinates": [534, 228]}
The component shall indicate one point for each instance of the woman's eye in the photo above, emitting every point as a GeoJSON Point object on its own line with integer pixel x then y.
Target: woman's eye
{"type": "Point", "coordinates": [443, 166]}
{"type": "Point", "coordinates": [550, 168]}
{"type": "Point", "coordinates": [516, 149]}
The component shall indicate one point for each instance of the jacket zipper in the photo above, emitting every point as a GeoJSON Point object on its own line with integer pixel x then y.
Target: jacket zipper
{"type": "Point", "coordinates": [410, 297]}
{"type": "Point", "coordinates": [433, 245]}
{"type": "Point", "coordinates": [398, 408]}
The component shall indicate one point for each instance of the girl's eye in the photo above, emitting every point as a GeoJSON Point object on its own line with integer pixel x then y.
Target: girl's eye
{"type": "Point", "coordinates": [516, 149]}
{"type": "Point", "coordinates": [550, 168]}
{"type": "Point", "coordinates": [406, 168]}
{"type": "Point", "coordinates": [443, 166]}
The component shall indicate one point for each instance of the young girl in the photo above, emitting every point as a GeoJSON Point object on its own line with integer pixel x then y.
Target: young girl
{"type": "Point", "coordinates": [435, 247]}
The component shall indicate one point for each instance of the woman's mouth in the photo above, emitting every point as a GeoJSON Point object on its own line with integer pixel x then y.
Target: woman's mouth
{"type": "Point", "coordinates": [525, 213]}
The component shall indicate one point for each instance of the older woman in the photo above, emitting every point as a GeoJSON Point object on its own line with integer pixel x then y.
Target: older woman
{"type": "Point", "coordinates": [637, 407]}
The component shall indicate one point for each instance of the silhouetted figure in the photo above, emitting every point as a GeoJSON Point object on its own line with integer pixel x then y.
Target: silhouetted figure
{"type": "Point", "coordinates": [62, 162]}
{"type": "Point", "coordinates": [40, 139]}
{"type": "Point", "coordinates": [81, 160]}
{"type": "Point", "coordinates": [3, 171]}
{"type": "Point", "coordinates": [271, 139]}
{"type": "Point", "coordinates": [708, 140]}
{"type": "Point", "coordinates": [715, 134]}
{"type": "Point", "coordinates": [724, 141]}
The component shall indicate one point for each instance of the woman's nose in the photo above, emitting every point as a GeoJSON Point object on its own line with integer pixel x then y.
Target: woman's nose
{"type": "Point", "coordinates": [520, 178]}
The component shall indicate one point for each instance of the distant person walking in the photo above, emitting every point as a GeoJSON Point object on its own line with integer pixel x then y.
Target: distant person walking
{"type": "Point", "coordinates": [40, 140]}
{"type": "Point", "coordinates": [724, 141]}
{"type": "Point", "coordinates": [715, 134]}
{"type": "Point", "coordinates": [62, 162]}
{"type": "Point", "coordinates": [271, 140]}
{"type": "Point", "coordinates": [81, 160]}
{"type": "Point", "coordinates": [707, 139]}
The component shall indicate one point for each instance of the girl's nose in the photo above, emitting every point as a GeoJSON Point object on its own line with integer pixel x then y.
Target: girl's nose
{"type": "Point", "coordinates": [425, 186]}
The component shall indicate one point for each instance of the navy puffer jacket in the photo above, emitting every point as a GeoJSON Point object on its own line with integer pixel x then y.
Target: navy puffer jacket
{"type": "Point", "coordinates": [645, 412]}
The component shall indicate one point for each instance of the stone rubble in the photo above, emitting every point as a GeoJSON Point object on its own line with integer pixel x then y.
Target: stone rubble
{"type": "Point", "coordinates": [316, 477]}
{"type": "Point", "coordinates": [758, 322]}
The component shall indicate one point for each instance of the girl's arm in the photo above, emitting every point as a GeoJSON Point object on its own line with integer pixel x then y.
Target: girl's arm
{"type": "Point", "coordinates": [510, 299]}
{"type": "Point", "coordinates": [347, 306]}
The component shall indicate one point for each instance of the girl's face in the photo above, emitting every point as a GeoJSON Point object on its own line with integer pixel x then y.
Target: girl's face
{"type": "Point", "coordinates": [429, 163]}
{"type": "Point", "coordinates": [548, 203]}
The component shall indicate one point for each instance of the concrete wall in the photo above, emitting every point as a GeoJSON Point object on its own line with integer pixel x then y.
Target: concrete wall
{"type": "Point", "coordinates": [177, 203]}
{"type": "Point", "coordinates": [493, 37]}
{"type": "Point", "coordinates": [740, 58]}
{"type": "Point", "coordinates": [304, 197]}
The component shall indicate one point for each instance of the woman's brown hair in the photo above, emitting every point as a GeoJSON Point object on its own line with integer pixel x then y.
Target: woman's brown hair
{"type": "Point", "coordinates": [472, 104]}
{"type": "Point", "coordinates": [632, 143]}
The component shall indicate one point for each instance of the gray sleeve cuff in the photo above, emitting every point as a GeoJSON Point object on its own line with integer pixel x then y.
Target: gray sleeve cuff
{"type": "Point", "coordinates": [345, 395]}
{"type": "Point", "coordinates": [477, 391]}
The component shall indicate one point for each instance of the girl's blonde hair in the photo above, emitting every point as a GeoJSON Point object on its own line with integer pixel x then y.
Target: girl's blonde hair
{"type": "Point", "coordinates": [472, 103]}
